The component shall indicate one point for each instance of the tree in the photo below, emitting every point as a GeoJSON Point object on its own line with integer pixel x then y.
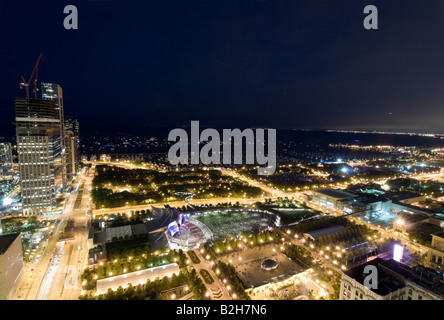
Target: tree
{"type": "Point", "coordinates": [32, 220]}
{"type": "Point", "coordinates": [109, 295]}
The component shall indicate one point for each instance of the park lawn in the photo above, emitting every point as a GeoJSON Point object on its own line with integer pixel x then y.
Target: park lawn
{"type": "Point", "coordinates": [289, 216]}
{"type": "Point", "coordinates": [227, 223]}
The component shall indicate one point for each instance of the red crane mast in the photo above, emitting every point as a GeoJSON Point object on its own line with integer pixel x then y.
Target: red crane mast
{"type": "Point", "coordinates": [35, 71]}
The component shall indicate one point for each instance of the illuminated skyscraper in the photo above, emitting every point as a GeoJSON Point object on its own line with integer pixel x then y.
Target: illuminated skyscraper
{"type": "Point", "coordinates": [54, 92]}
{"type": "Point", "coordinates": [72, 145]}
{"type": "Point", "coordinates": [39, 147]}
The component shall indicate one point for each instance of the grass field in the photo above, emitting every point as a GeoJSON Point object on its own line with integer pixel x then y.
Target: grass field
{"type": "Point", "coordinates": [293, 215]}
{"type": "Point", "coordinates": [228, 223]}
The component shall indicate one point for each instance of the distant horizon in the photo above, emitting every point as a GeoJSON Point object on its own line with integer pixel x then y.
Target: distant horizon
{"type": "Point", "coordinates": [90, 126]}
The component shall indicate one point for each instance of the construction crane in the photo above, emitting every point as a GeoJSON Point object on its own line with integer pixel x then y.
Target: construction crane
{"type": "Point", "coordinates": [35, 71]}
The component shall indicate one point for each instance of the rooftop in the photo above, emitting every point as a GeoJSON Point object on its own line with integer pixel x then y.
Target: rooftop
{"type": "Point", "coordinates": [386, 282]}
{"type": "Point", "coordinates": [324, 232]}
{"type": "Point", "coordinates": [392, 274]}
{"type": "Point", "coordinates": [334, 193]}
{"type": "Point", "coordinates": [6, 241]}
{"type": "Point", "coordinates": [439, 234]}
{"type": "Point", "coordinates": [137, 277]}
{"type": "Point", "coordinates": [402, 195]}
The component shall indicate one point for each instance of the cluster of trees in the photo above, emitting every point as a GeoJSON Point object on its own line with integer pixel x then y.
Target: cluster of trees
{"type": "Point", "coordinates": [152, 187]}
{"type": "Point", "coordinates": [422, 233]}
{"type": "Point", "coordinates": [428, 187]}
{"type": "Point", "coordinates": [289, 177]}
{"type": "Point", "coordinates": [336, 287]}
{"type": "Point", "coordinates": [135, 240]}
{"type": "Point", "coordinates": [357, 231]}
{"type": "Point", "coordinates": [206, 276]}
{"type": "Point", "coordinates": [130, 260]}
{"type": "Point", "coordinates": [117, 176]}
{"type": "Point", "coordinates": [299, 253]}
{"type": "Point", "coordinates": [122, 219]}
{"type": "Point", "coordinates": [219, 205]}
{"type": "Point", "coordinates": [370, 173]}
{"type": "Point", "coordinates": [282, 203]}
{"type": "Point", "coordinates": [193, 257]}
{"type": "Point", "coordinates": [295, 180]}
{"type": "Point", "coordinates": [320, 224]}
{"type": "Point", "coordinates": [213, 190]}
{"type": "Point", "coordinates": [321, 273]}
{"type": "Point", "coordinates": [228, 272]}
{"type": "Point", "coordinates": [152, 290]}
{"type": "Point", "coordinates": [103, 197]}
{"type": "Point", "coordinates": [287, 217]}
{"type": "Point", "coordinates": [20, 224]}
{"type": "Point", "coordinates": [194, 176]}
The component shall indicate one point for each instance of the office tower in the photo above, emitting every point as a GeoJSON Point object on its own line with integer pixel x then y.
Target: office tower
{"type": "Point", "coordinates": [40, 155]}
{"type": "Point", "coordinates": [72, 145]}
{"type": "Point", "coordinates": [5, 161]}
{"type": "Point", "coordinates": [54, 92]}
{"type": "Point", "coordinates": [11, 264]}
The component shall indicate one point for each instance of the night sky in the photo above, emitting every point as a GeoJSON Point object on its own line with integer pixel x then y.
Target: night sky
{"type": "Point", "coordinates": [282, 64]}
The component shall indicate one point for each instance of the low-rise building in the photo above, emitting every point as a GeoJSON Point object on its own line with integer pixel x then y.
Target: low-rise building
{"type": "Point", "coordinates": [331, 198]}
{"type": "Point", "coordinates": [137, 277]}
{"type": "Point", "coordinates": [97, 255]}
{"type": "Point", "coordinates": [97, 240]}
{"type": "Point", "coordinates": [435, 257]}
{"type": "Point", "coordinates": [11, 264]}
{"type": "Point", "coordinates": [395, 281]}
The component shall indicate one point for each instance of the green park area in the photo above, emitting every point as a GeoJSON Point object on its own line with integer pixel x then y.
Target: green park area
{"type": "Point", "coordinates": [225, 223]}
{"type": "Point", "coordinates": [116, 187]}
{"type": "Point", "coordinates": [289, 211]}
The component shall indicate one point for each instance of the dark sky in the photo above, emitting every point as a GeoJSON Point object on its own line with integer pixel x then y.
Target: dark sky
{"type": "Point", "coordinates": [301, 64]}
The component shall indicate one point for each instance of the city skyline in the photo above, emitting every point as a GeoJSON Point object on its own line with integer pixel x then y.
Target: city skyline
{"type": "Point", "coordinates": [244, 152]}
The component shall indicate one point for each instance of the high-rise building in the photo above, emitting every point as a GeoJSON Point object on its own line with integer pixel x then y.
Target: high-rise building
{"type": "Point", "coordinates": [39, 147]}
{"type": "Point", "coordinates": [54, 92]}
{"type": "Point", "coordinates": [5, 161]}
{"type": "Point", "coordinates": [72, 146]}
{"type": "Point", "coordinates": [11, 264]}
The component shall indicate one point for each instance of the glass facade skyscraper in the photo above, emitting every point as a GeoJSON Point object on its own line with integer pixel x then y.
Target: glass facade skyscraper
{"type": "Point", "coordinates": [54, 92]}
{"type": "Point", "coordinates": [39, 148]}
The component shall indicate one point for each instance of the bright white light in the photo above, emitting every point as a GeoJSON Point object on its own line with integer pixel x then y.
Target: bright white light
{"type": "Point", "coordinates": [7, 201]}
{"type": "Point", "coordinates": [398, 252]}
{"type": "Point", "coordinates": [344, 170]}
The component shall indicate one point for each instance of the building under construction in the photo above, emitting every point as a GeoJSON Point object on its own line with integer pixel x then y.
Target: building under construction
{"type": "Point", "coordinates": [39, 150]}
